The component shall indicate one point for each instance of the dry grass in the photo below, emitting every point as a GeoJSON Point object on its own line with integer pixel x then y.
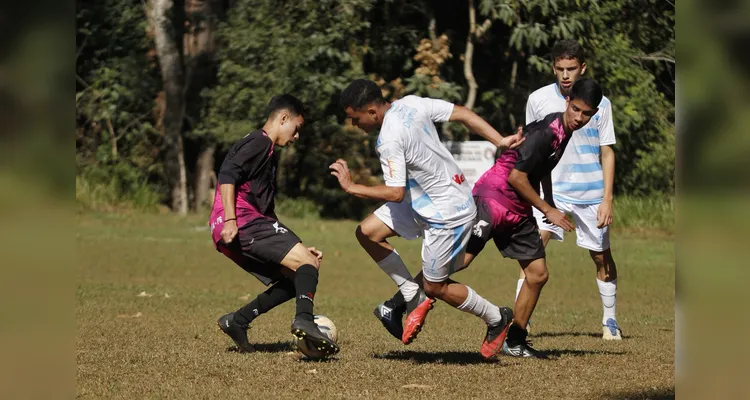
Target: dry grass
{"type": "Point", "coordinates": [159, 346]}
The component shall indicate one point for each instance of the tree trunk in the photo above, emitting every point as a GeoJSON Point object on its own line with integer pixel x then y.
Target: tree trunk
{"type": "Point", "coordinates": [513, 75]}
{"type": "Point", "coordinates": [204, 169]}
{"type": "Point", "coordinates": [167, 20]}
{"type": "Point", "coordinates": [469, 55]}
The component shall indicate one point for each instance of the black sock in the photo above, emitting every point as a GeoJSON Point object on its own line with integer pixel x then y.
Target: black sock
{"type": "Point", "coordinates": [397, 302]}
{"type": "Point", "coordinates": [305, 283]}
{"type": "Point", "coordinates": [279, 293]}
{"type": "Point", "coordinates": [516, 334]}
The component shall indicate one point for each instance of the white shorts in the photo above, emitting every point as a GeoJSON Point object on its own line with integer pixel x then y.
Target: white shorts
{"type": "Point", "coordinates": [443, 249]}
{"type": "Point", "coordinates": [588, 236]}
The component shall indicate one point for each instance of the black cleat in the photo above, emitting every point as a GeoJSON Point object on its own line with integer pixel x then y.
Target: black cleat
{"type": "Point", "coordinates": [237, 332]}
{"type": "Point", "coordinates": [308, 330]}
{"type": "Point", "coordinates": [516, 344]}
{"type": "Point", "coordinates": [391, 318]}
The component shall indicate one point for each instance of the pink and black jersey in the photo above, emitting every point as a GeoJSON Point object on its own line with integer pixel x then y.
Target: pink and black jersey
{"type": "Point", "coordinates": [251, 168]}
{"type": "Point", "coordinates": [537, 156]}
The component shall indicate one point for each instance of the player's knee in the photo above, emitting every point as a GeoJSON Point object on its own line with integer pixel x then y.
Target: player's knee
{"type": "Point", "coordinates": [434, 289]}
{"type": "Point", "coordinates": [366, 234]}
{"type": "Point", "coordinates": [361, 234]}
{"type": "Point", "coordinates": [309, 259]}
{"type": "Point", "coordinates": [537, 276]}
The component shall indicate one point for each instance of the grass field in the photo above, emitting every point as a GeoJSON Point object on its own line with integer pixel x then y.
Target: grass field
{"type": "Point", "coordinates": [150, 288]}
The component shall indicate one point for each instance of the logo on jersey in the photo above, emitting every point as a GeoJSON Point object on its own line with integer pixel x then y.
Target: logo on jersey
{"type": "Point", "coordinates": [459, 179]}
{"type": "Point", "coordinates": [390, 168]}
{"type": "Point", "coordinates": [477, 231]}
{"type": "Point", "coordinates": [279, 229]}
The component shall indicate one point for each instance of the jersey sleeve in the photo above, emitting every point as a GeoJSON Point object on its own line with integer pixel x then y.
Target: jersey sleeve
{"type": "Point", "coordinates": [438, 110]}
{"type": "Point", "coordinates": [606, 127]}
{"type": "Point", "coordinates": [532, 152]}
{"type": "Point", "coordinates": [244, 163]}
{"type": "Point", "coordinates": [530, 111]}
{"type": "Point", "coordinates": [393, 163]}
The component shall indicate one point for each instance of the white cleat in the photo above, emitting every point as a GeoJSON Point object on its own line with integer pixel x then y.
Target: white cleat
{"type": "Point", "coordinates": [611, 330]}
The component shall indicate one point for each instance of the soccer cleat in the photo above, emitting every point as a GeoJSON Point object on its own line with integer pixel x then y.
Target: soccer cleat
{"type": "Point", "coordinates": [306, 329]}
{"type": "Point", "coordinates": [611, 330]}
{"type": "Point", "coordinates": [495, 337]}
{"type": "Point", "coordinates": [391, 319]}
{"type": "Point", "coordinates": [516, 344]}
{"type": "Point", "coordinates": [237, 332]}
{"type": "Point", "coordinates": [416, 312]}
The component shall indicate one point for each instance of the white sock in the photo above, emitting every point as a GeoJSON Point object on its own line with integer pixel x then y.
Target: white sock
{"type": "Point", "coordinates": [395, 268]}
{"type": "Point", "coordinates": [608, 292]}
{"type": "Point", "coordinates": [477, 305]}
{"type": "Point", "coordinates": [519, 285]}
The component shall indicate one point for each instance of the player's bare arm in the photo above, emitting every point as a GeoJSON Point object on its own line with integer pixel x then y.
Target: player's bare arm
{"type": "Point", "coordinates": [229, 232]}
{"type": "Point", "coordinates": [478, 125]}
{"type": "Point", "coordinates": [604, 216]}
{"type": "Point", "coordinates": [340, 170]}
{"type": "Point", "coordinates": [520, 181]}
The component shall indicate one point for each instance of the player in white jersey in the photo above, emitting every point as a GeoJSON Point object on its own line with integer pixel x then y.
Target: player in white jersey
{"type": "Point", "coordinates": [582, 182]}
{"type": "Point", "coordinates": [427, 196]}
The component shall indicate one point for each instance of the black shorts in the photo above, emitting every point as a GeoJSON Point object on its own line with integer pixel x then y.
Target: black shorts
{"type": "Point", "coordinates": [260, 247]}
{"type": "Point", "coordinates": [520, 241]}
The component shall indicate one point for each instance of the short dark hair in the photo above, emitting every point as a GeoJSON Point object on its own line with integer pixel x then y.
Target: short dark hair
{"type": "Point", "coordinates": [360, 93]}
{"type": "Point", "coordinates": [286, 102]}
{"type": "Point", "coordinates": [568, 49]}
{"type": "Point", "coordinates": [587, 90]}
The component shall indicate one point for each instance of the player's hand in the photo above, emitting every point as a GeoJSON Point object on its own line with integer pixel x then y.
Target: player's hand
{"type": "Point", "coordinates": [555, 216]}
{"type": "Point", "coordinates": [229, 231]}
{"type": "Point", "coordinates": [512, 141]}
{"type": "Point", "coordinates": [317, 253]}
{"type": "Point", "coordinates": [340, 170]}
{"type": "Point", "coordinates": [604, 216]}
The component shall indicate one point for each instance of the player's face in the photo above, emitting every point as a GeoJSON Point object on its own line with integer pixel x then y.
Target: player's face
{"type": "Point", "coordinates": [567, 72]}
{"type": "Point", "coordinates": [578, 114]}
{"type": "Point", "coordinates": [365, 118]}
{"type": "Point", "coordinates": [290, 126]}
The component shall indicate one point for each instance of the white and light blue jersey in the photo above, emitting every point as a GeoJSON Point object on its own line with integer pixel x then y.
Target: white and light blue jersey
{"type": "Point", "coordinates": [578, 178]}
{"type": "Point", "coordinates": [412, 156]}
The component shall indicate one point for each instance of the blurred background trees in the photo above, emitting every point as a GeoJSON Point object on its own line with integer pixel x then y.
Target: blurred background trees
{"type": "Point", "coordinates": [163, 87]}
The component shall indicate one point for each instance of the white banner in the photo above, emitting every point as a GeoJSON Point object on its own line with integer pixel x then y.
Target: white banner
{"type": "Point", "coordinates": [474, 158]}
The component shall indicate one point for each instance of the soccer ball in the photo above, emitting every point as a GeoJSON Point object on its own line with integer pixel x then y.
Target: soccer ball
{"type": "Point", "coordinates": [327, 327]}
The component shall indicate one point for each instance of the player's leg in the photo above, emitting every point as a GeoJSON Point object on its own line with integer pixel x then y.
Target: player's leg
{"type": "Point", "coordinates": [548, 232]}
{"type": "Point", "coordinates": [442, 250]}
{"type": "Point", "coordinates": [236, 324]}
{"type": "Point", "coordinates": [516, 344]}
{"type": "Point", "coordinates": [606, 281]}
{"type": "Point", "coordinates": [398, 301]}
{"type": "Point", "coordinates": [390, 220]}
{"type": "Point", "coordinates": [523, 243]}
{"type": "Point", "coordinates": [536, 277]}
{"type": "Point", "coordinates": [596, 241]}
{"type": "Point", "coordinates": [303, 265]}
{"type": "Point", "coordinates": [279, 249]}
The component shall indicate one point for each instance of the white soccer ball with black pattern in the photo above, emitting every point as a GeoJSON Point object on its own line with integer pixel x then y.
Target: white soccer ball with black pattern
{"type": "Point", "coordinates": [326, 327]}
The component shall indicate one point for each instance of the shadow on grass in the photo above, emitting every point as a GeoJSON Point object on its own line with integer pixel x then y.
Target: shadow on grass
{"type": "Point", "coordinates": [574, 334]}
{"type": "Point", "coordinates": [580, 353]}
{"type": "Point", "coordinates": [440, 357]}
{"type": "Point", "coordinates": [277, 347]}
{"type": "Point", "coordinates": [651, 394]}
